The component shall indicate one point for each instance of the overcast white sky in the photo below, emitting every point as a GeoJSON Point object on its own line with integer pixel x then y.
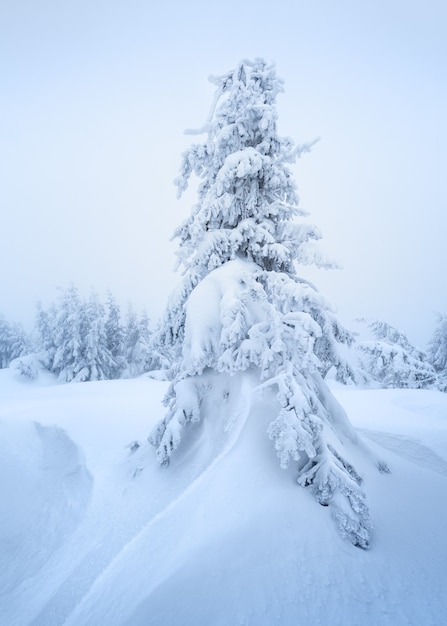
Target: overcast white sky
{"type": "Point", "coordinates": [94, 99]}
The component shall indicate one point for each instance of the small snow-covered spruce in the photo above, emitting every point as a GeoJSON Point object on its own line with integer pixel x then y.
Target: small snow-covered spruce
{"type": "Point", "coordinates": [138, 343]}
{"type": "Point", "coordinates": [99, 363]}
{"type": "Point", "coordinates": [437, 350]}
{"type": "Point", "coordinates": [115, 337]}
{"type": "Point", "coordinates": [242, 307]}
{"type": "Point", "coordinates": [45, 329]}
{"type": "Point", "coordinates": [13, 342]}
{"type": "Point", "coordinates": [391, 360]}
{"type": "Point", "coordinates": [69, 334]}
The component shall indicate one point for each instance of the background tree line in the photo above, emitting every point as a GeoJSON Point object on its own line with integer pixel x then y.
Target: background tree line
{"type": "Point", "coordinates": [80, 339]}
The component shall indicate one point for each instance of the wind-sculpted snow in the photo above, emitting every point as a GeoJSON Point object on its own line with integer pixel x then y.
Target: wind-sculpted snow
{"type": "Point", "coordinates": [188, 473]}
{"type": "Point", "coordinates": [223, 536]}
{"type": "Point", "coordinates": [45, 488]}
{"type": "Point", "coordinates": [410, 449]}
{"type": "Point", "coordinates": [116, 532]}
{"type": "Point", "coordinates": [107, 526]}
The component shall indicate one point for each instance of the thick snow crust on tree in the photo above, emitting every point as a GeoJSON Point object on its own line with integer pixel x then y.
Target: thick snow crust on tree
{"type": "Point", "coordinates": [93, 533]}
{"type": "Point", "coordinates": [242, 318]}
{"type": "Point", "coordinates": [241, 306]}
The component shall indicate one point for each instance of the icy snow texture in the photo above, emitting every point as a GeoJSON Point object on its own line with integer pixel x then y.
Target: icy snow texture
{"type": "Point", "coordinates": [224, 537]}
{"type": "Point", "coordinates": [45, 490]}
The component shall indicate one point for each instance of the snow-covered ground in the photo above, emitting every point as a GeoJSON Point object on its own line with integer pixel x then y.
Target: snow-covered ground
{"type": "Point", "coordinates": [93, 533]}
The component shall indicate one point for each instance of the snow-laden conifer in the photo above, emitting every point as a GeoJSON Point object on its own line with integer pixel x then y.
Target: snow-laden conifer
{"type": "Point", "coordinates": [241, 306]}
{"type": "Point", "coordinates": [13, 341]}
{"type": "Point", "coordinates": [69, 328]}
{"type": "Point", "coordinates": [392, 361]}
{"type": "Point", "coordinates": [437, 347]}
{"type": "Point", "coordinates": [98, 362]}
{"type": "Point", "coordinates": [138, 343]}
{"type": "Point", "coordinates": [115, 337]}
{"type": "Point", "coordinates": [45, 328]}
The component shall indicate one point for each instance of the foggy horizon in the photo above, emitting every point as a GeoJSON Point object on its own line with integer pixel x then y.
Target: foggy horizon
{"type": "Point", "coordinates": [96, 98]}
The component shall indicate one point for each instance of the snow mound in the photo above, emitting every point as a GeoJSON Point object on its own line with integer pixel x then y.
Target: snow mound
{"type": "Point", "coordinates": [31, 368]}
{"type": "Point", "coordinates": [47, 487]}
{"type": "Point", "coordinates": [223, 536]}
{"type": "Point", "coordinates": [241, 545]}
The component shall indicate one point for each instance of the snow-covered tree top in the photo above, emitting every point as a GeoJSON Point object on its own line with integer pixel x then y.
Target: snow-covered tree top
{"type": "Point", "coordinates": [247, 198]}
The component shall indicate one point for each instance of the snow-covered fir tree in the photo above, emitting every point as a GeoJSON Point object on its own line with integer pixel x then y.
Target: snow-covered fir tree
{"type": "Point", "coordinates": [241, 306]}
{"type": "Point", "coordinates": [98, 362]}
{"type": "Point", "coordinates": [45, 327]}
{"type": "Point", "coordinates": [130, 332]}
{"type": "Point", "coordinates": [69, 328]}
{"type": "Point", "coordinates": [437, 351]}
{"type": "Point", "coordinates": [138, 343]}
{"type": "Point", "coordinates": [115, 336]}
{"type": "Point", "coordinates": [392, 361]}
{"type": "Point", "coordinates": [14, 342]}
{"type": "Point", "coordinates": [437, 347]}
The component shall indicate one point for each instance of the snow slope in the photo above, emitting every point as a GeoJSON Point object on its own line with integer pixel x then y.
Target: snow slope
{"type": "Point", "coordinates": [94, 534]}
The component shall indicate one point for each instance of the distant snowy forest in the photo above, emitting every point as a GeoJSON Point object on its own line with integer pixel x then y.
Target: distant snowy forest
{"type": "Point", "coordinates": [80, 339]}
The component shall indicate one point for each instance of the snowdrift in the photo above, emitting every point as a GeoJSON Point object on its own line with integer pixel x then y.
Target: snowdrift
{"type": "Point", "coordinates": [92, 532]}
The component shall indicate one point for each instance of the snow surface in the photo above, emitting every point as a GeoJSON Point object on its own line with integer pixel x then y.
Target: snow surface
{"type": "Point", "coordinates": [94, 532]}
